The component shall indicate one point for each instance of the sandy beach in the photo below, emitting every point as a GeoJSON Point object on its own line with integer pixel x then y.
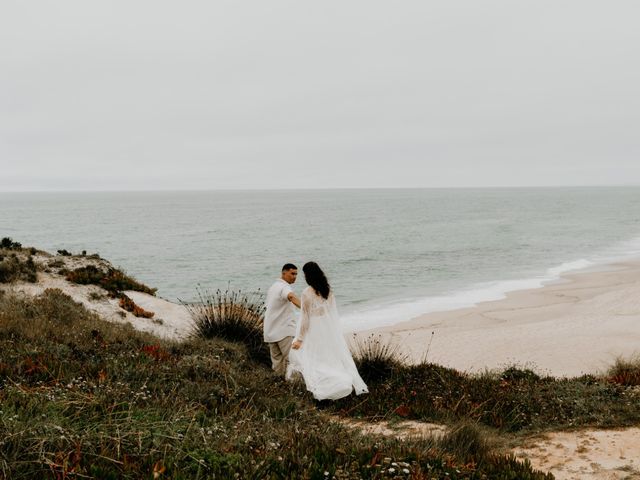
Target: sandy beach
{"type": "Point", "coordinates": [578, 325]}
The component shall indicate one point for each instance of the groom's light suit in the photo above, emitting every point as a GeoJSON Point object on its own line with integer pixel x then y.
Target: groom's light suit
{"type": "Point", "coordinates": [279, 324]}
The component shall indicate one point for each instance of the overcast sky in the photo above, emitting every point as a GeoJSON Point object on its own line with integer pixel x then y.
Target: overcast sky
{"type": "Point", "coordinates": [111, 95]}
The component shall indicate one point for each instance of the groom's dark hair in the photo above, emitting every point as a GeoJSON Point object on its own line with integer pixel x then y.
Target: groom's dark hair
{"type": "Point", "coordinates": [289, 266]}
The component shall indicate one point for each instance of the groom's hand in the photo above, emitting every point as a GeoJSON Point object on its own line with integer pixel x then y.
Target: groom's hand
{"type": "Point", "coordinates": [296, 345]}
{"type": "Point", "coordinates": [293, 299]}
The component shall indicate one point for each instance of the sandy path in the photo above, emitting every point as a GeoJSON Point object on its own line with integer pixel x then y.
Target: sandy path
{"type": "Point", "coordinates": [588, 454]}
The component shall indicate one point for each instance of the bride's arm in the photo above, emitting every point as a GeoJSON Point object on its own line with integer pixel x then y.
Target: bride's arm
{"type": "Point", "coordinates": [303, 322]}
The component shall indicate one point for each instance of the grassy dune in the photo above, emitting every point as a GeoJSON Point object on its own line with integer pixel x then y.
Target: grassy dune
{"type": "Point", "coordinates": [81, 397]}
{"type": "Point", "coordinates": [84, 398]}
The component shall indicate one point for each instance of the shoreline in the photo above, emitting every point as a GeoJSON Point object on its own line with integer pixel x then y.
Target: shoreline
{"type": "Point", "coordinates": [576, 325]}
{"type": "Point", "coordinates": [386, 314]}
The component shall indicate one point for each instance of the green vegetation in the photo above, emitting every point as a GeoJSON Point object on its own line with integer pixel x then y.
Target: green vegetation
{"type": "Point", "coordinates": [625, 372]}
{"type": "Point", "coordinates": [112, 280]}
{"type": "Point", "coordinates": [515, 400]}
{"type": "Point", "coordinates": [13, 268]}
{"type": "Point", "coordinates": [81, 397]}
{"type": "Point", "coordinates": [84, 398]}
{"type": "Point", "coordinates": [8, 244]}
{"type": "Point", "coordinates": [16, 263]}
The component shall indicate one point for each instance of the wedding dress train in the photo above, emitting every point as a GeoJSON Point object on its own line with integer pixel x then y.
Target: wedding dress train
{"type": "Point", "coordinates": [324, 359]}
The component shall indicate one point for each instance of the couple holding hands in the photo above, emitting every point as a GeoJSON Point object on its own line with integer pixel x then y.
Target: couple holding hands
{"type": "Point", "coordinates": [314, 346]}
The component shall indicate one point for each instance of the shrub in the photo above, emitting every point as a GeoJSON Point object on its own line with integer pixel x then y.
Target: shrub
{"type": "Point", "coordinates": [89, 275]}
{"type": "Point", "coordinates": [9, 244]}
{"type": "Point", "coordinates": [113, 280]}
{"type": "Point", "coordinates": [57, 263]}
{"type": "Point", "coordinates": [625, 372]}
{"type": "Point", "coordinates": [515, 374]}
{"type": "Point", "coordinates": [96, 296]}
{"type": "Point", "coordinates": [231, 315]}
{"type": "Point", "coordinates": [376, 360]}
{"type": "Point", "coordinates": [12, 268]}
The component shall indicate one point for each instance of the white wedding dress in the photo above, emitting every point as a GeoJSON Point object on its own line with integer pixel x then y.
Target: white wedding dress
{"type": "Point", "coordinates": [324, 359]}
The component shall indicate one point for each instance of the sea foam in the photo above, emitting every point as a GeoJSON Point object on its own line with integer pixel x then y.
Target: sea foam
{"type": "Point", "coordinates": [393, 313]}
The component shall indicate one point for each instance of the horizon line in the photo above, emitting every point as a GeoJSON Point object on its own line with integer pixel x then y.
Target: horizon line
{"type": "Point", "coordinates": [184, 190]}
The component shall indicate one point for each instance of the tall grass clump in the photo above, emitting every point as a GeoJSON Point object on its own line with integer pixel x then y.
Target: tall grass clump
{"type": "Point", "coordinates": [231, 315]}
{"type": "Point", "coordinates": [467, 442]}
{"type": "Point", "coordinates": [625, 372]}
{"type": "Point", "coordinates": [376, 359]}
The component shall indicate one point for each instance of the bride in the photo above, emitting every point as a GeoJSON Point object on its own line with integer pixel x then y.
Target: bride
{"type": "Point", "coordinates": [319, 351]}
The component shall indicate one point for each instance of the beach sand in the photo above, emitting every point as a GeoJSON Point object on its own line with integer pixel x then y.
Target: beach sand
{"type": "Point", "coordinates": [578, 325]}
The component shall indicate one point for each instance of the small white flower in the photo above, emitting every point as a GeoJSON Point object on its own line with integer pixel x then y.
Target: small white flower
{"type": "Point", "coordinates": [405, 471]}
{"type": "Point", "coordinates": [392, 470]}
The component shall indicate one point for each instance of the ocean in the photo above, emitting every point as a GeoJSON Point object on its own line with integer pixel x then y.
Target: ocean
{"type": "Point", "coordinates": [390, 254]}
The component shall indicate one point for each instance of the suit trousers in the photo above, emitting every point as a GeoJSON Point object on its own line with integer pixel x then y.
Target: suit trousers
{"type": "Point", "coordinates": [280, 355]}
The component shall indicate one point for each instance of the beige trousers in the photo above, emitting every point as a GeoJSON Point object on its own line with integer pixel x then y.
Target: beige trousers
{"type": "Point", "coordinates": [280, 355]}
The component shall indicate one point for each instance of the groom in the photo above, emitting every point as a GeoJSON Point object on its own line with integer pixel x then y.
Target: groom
{"type": "Point", "coordinates": [279, 319]}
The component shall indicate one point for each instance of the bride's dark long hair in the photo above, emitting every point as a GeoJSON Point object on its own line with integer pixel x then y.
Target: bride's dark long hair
{"type": "Point", "coordinates": [316, 278]}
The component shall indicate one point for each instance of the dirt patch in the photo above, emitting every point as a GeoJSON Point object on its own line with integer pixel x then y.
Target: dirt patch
{"type": "Point", "coordinates": [400, 429]}
{"type": "Point", "coordinates": [587, 454]}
